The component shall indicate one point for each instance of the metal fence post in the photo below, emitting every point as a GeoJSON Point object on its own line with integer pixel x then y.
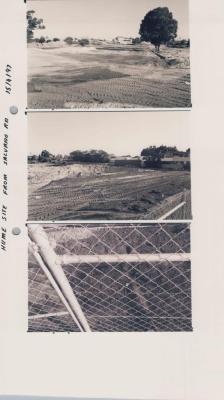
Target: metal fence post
{"type": "Point", "coordinates": [53, 265]}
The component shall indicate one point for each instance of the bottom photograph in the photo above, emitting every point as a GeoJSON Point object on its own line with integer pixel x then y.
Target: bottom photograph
{"type": "Point", "coordinates": [116, 277]}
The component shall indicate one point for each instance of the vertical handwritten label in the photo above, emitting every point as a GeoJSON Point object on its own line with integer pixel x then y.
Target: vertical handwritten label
{"type": "Point", "coordinates": [3, 238]}
{"type": "Point", "coordinates": [8, 79]}
{"type": "Point", "coordinates": [4, 183]}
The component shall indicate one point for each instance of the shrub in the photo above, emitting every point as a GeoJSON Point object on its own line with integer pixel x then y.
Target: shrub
{"type": "Point", "coordinates": [83, 42]}
{"type": "Point", "coordinates": [136, 40]}
{"type": "Point", "coordinates": [68, 40]}
{"type": "Point", "coordinates": [42, 40]}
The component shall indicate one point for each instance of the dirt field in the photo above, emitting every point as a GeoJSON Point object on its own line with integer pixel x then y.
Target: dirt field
{"type": "Point", "coordinates": [103, 192]}
{"type": "Point", "coordinates": [42, 174]}
{"type": "Point", "coordinates": [108, 77]}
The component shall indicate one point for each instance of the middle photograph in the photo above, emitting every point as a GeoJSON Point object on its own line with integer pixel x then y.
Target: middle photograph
{"type": "Point", "coordinates": [93, 166]}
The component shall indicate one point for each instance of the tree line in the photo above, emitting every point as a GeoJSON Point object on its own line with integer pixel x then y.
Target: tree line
{"type": "Point", "coordinates": [152, 156]}
{"type": "Point", "coordinates": [157, 27]}
{"type": "Point", "coordinates": [68, 40]}
{"type": "Point", "coordinates": [89, 156]}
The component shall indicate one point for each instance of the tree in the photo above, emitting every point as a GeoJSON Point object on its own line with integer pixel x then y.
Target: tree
{"type": "Point", "coordinates": [158, 27]}
{"type": "Point", "coordinates": [32, 24]}
{"type": "Point", "coordinates": [136, 40]}
{"type": "Point", "coordinates": [160, 151]}
{"type": "Point", "coordinates": [90, 156]}
{"type": "Point", "coordinates": [56, 39]}
{"type": "Point", "coordinates": [153, 154]}
{"type": "Point", "coordinates": [83, 42]}
{"type": "Point", "coordinates": [77, 155]}
{"type": "Point", "coordinates": [45, 156]}
{"type": "Point", "coordinates": [68, 40]}
{"type": "Point", "coordinates": [98, 156]}
{"type": "Point", "coordinates": [42, 40]}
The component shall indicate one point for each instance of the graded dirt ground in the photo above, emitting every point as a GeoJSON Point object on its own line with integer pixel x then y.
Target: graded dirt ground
{"type": "Point", "coordinates": [108, 77]}
{"type": "Point", "coordinates": [101, 193]}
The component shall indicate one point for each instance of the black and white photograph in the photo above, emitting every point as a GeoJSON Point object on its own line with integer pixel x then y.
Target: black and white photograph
{"type": "Point", "coordinates": [108, 54]}
{"type": "Point", "coordinates": [109, 277]}
{"type": "Point", "coordinates": [102, 166]}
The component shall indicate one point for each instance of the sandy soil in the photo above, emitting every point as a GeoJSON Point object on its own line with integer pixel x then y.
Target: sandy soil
{"type": "Point", "coordinates": [119, 77]}
{"type": "Point", "coordinates": [40, 175]}
{"type": "Point", "coordinates": [112, 193]}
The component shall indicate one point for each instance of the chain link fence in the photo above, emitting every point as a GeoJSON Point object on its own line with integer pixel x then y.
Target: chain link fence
{"type": "Point", "coordinates": [109, 277]}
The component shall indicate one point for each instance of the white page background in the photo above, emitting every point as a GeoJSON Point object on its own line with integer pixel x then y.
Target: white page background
{"type": "Point", "coordinates": [144, 365]}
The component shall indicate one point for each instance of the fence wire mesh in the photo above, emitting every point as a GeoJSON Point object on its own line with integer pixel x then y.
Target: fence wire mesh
{"type": "Point", "coordinates": [116, 296]}
{"type": "Point", "coordinates": [47, 313]}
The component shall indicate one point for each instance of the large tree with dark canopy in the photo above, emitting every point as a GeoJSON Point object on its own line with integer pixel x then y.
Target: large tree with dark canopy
{"type": "Point", "coordinates": [158, 27]}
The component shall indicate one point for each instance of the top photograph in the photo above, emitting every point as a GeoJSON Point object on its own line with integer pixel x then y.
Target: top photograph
{"type": "Point", "coordinates": [105, 55]}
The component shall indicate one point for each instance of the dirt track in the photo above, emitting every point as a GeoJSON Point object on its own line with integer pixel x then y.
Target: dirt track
{"type": "Point", "coordinates": [121, 194]}
{"type": "Point", "coordinates": [131, 77]}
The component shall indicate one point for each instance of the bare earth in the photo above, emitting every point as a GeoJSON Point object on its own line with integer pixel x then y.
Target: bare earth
{"type": "Point", "coordinates": [99, 192]}
{"type": "Point", "coordinates": [108, 77]}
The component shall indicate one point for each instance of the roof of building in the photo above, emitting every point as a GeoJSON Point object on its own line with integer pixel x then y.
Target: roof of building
{"type": "Point", "coordinates": [175, 159]}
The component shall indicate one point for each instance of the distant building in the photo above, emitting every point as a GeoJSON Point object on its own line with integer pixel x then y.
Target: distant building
{"type": "Point", "coordinates": [127, 161]}
{"type": "Point", "coordinates": [32, 159]}
{"type": "Point", "coordinates": [175, 162]}
{"type": "Point", "coordinates": [97, 42]}
{"type": "Point", "coordinates": [123, 40]}
{"type": "Point", "coordinates": [182, 159]}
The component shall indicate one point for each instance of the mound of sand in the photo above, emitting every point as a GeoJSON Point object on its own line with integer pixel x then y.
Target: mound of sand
{"type": "Point", "coordinates": [40, 175]}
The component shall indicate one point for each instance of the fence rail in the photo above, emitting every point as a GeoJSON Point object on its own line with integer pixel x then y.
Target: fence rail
{"type": "Point", "coordinates": [50, 264]}
{"type": "Point", "coordinates": [109, 277]}
{"type": "Point", "coordinates": [176, 207]}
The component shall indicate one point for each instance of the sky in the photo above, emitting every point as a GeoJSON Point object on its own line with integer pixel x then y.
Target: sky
{"type": "Point", "coordinates": [103, 19]}
{"type": "Point", "coordinates": [120, 133]}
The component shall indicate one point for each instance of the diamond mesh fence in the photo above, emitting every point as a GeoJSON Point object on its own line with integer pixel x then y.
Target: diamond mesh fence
{"type": "Point", "coordinates": [47, 313]}
{"type": "Point", "coordinates": [125, 277]}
